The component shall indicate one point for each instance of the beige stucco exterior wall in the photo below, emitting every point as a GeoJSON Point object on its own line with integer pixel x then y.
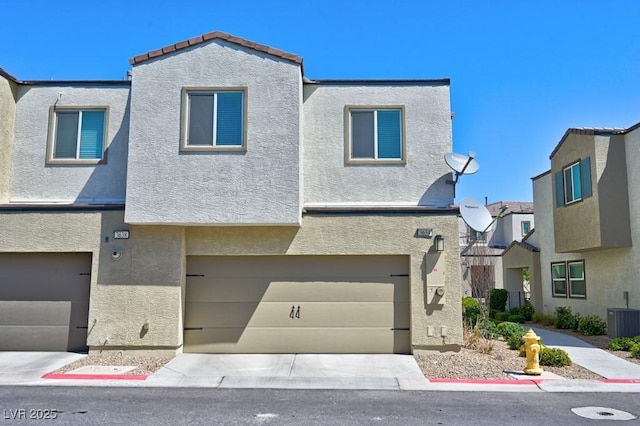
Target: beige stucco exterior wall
{"type": "Point", "coordinates": [7, 125]}
{"type": "Point", "coordinates": [145, 285]}
{"type": "Point", "coordinates": [513, 261]}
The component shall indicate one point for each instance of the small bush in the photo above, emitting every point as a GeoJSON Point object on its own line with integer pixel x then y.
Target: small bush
{"type": "Point", "coordinates": [506, 329]}
{"type": "Point", "coordinates": [554, 357]}
{"type": "Point", "coordinates": [502, 316]}
{"type": "Point", "coordinates": [515, 340]}
{"type": "Point", "coordinates": [514, 311]}
{"type": "Point", "coordinates": [635, 351]}
{"type": "Point", "coordinates": [543, 319]}
{"type": "Point", "coordinates": [470, 310]}
{"type": "Point", "coordinates": [564, 318]}
{"type": "Point", "coordinates": [492, 313]}
{"type": "Point", "coordinates": [576, 322]}
{"type": "Point", "coordinates": [592, 325]}
{"type": "Point", "coordinates": [516, 318]}
{"type": "Point", "coordinates": [623, 343]}
{"type": "Point", "coordinates": [498, 299]}
{"type": "Point", "coordinates": [527, 310]}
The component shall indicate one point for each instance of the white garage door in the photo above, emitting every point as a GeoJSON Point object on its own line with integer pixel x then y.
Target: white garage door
{"type": "Point", "coordinates": [44, 301]}
{"type": "Point", "coordinates": [297, 304]}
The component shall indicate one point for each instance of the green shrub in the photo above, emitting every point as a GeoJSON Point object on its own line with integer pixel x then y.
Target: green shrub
{"type": "Point", "coordinates": [514, 311]}
{"type": "Point", "coordinates": [516, 318]}
{"type": "Point", "coordinates": [498, 299]}
{"type": "Point", "coordinates": [554, 357]}
{"type": "Point", "coordinates": [576, 322]}
{"type": "Point", "coordinates": [592, 325]}
{"type": "Point", "coordinates": [564, 318]}
{"type": "Point", "coordinates": [470, 310]}
{"type": "Point", "coordinates": [623, 343]}
{"type": "Point", "coordinates": [502, 316]}
{"type": "Point", "coordinates": [635, 351]}
{"type": "Point", "coordinates": [515, 340]}
{"type": "Point", "coordinates": [543, 319]}
{"type": "Point", "coordinates": [492, 313]}
{"type": "Point", "coordinates": [506, 329]}
{"type": "Point", "coordinates": [527, 310]}
{"type": "Point", "coordinates": [490, 330]}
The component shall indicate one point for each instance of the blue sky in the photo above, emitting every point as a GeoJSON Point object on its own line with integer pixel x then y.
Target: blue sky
{"type": "Point", "coordinates": [521, 72]}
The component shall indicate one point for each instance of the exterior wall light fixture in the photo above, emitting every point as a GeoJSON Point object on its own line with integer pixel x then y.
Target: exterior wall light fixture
{"type": "Point", "coordinates": [439, 243]}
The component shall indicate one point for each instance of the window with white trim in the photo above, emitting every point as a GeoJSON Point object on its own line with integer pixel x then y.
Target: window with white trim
{"type": "Point", "coordinates": [214, 119]}
{"type": "Point", "coordinates": [375, 134]}
{"type": "Point", "coordinates": [77, 135]}
{"type": "Point", "coordinates": [525, 226]}
{"type": "Point", "coordinates": [568, 279]}
{"type": "Point", "coordinates": [573, 182]}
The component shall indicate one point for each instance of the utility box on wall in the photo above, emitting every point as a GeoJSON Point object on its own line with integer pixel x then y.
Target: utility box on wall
{"type": "Point", "coordinates": [435, 278]}
{"type": "Point", "coordinates": [623, 322]}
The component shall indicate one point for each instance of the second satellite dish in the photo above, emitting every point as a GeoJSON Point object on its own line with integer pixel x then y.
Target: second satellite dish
{"type": "Point", "coordinates": [475, 214]}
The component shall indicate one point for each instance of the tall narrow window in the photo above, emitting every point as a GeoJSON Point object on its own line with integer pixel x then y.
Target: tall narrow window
{"type": "Point", "coordinates": [572, 183]}
{"type": "Point", "coordinates": [559, 279]}
{"type": "Point", "coordinates": [577, 284]}
{"type": "Point", "coordinates": [526, 227]}
{"type": "Point", "coordinates": [214, 119]}
{"type": "Point", "coordinates": [78, 135]}
{"type": "Point", "coordinates": [375, 134]}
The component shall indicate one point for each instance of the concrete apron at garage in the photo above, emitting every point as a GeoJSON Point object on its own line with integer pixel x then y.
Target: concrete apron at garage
{"type": "Point", "coordinates": [289, 371]}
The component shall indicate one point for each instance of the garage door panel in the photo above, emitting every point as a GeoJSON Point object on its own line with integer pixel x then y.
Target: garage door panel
{"type": "Point", "coordinates": [299, 340]}
{"type": "Point", "coordinates": [353, 304]}
{"type": "Point", "coordinates": [258, 289]}
{"type": "Point", "coordinates": [34, 338]}
{"type": "Point", "coordinates": [44, 300]}
{"type": "Point", "coordinates": [275, 267]}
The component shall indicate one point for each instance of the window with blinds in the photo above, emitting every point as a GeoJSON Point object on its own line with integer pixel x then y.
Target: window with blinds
{"type": "Point", "coordinates": [78, 135]}
{"type": "Point", "coordinates": [375, 134]}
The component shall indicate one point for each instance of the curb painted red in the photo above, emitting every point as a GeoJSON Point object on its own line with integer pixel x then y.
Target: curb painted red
{"type": "Point", "coordinates": [72, 376]}
{"type": "Point", "coordinates": [637, 381]}
{"type": "Point", "coordinates": [488, 381]}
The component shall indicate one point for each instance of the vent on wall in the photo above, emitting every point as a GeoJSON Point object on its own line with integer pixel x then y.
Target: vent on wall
{"type": "Point", "coordinates": [623, 322]}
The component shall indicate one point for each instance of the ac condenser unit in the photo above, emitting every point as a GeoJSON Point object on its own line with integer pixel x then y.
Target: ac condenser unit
{"type": "Point", "coordinates": [623, 322]}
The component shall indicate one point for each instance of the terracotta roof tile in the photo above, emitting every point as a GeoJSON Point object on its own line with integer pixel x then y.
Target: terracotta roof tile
{"type": "Point", "coordinates": [212, 36]}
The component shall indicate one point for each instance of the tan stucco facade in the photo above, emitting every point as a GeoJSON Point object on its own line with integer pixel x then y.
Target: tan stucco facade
{"type": "Point", "coordinates": [138, 284]}
{"type": "Point", "coordinates": [600, 220]}
{"type": "Point", "coordinates": [7, 125]}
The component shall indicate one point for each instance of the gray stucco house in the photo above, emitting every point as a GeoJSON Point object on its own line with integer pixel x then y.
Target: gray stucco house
{"type": "Point", "coordinates": [220, 200]}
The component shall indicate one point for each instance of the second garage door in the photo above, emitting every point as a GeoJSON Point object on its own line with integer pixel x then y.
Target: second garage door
{"type": "Point", "coordinates": [297, 304]}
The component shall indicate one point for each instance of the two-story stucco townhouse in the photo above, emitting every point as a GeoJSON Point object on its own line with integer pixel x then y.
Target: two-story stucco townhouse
{"type": "Point", "coordinates": [587, 215]}
{"type": "Point", "coordinates": [220, 201]}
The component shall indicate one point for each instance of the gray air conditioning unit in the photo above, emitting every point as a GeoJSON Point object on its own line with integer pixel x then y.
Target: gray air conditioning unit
{"type": "Point", "coordinates": [623, 322]}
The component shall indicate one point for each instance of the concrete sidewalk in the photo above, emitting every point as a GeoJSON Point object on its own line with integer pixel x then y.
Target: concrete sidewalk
{"type": "Point", "coordinates": [319, 371]}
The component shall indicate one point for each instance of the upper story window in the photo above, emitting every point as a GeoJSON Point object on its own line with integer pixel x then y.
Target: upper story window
{"type": "Point", "coordinates": [213, 119]}
{"type": "Point", "coordinates": [77, 135]}
{"type": "Point", "coordinates": [525, 226]}
{"type": "Point", "coordinates": [573, 183]}
{"type": "Point", "coordinates": [375, 135]}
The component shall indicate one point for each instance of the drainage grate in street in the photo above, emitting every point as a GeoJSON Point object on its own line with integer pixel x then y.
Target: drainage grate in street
{"type": "Point", "coordinates": [603, 413]}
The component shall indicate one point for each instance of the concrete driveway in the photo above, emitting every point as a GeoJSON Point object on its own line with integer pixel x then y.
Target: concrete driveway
{"type": "Point", "coordinates": [28, 367]}
{"type": "Point", "coordinates": [306, 371]}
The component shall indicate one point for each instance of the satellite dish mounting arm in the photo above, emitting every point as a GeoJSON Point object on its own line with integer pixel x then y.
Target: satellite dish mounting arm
{"type": "Point", "coordinates": [460, 172]}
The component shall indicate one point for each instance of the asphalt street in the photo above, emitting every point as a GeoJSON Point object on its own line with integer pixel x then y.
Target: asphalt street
{"type": "Point", "coordinates": [171, 406]}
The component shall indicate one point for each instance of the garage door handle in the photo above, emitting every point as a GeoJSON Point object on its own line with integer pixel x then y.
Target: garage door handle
{"type": "Point", "coordinates": [400, 329]}
{"type": "Point", "coordinates": [193, 328]}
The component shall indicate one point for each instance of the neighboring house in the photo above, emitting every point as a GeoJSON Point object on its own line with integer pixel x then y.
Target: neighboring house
{"type": "Point", "coordinates": [220, 201]}
{"type": "Point", "coordinates": [588, 222]}
{"type": "Point", "coordinates": [481, 252]}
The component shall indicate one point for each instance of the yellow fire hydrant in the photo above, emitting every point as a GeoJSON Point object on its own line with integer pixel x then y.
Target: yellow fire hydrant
{"type": "Point", "coordinates": [532, 349]}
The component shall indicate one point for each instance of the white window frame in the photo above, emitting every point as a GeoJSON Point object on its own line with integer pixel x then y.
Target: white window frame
{"type": "Point", "coordinates": [572, 185]}
{"type": "Point", "coordinates": [53, 126]}
{"type": "Point", "coordinates": [349, 134]}
{"type": "Point", "coordinates": [571, 279]}
{"type": "Point", "coordinates": [184, 143]}
{"type": "Point", "coordinates": [558, 279]}
{"type": "Point", "coordinates": [522, 227]}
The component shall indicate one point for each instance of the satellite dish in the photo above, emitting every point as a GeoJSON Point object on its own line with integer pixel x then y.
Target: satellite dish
{"type": "Point", "coordinates": [462, 164]}
{"type": "Point", "coordinates": [475, 214]}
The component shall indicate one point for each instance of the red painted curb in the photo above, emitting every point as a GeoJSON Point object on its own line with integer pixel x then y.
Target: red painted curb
{"type": "Point", "coordinates": [488, 381]}
{"type": "Point", "coordinates": [95, 376]}
{"type": "Point", "coordinates": [620, 381]}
